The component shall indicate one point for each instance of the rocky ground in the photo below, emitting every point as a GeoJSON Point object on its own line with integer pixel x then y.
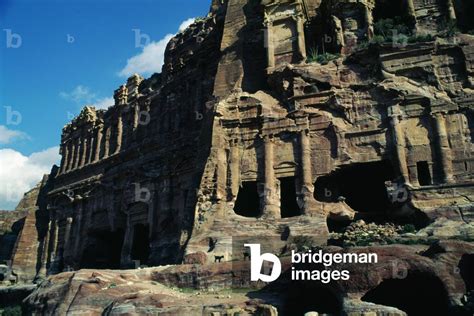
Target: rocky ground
{"type": "Point", "coordinates": [441, 249]}
{"type": "Point", "coordinates": [224, 288]}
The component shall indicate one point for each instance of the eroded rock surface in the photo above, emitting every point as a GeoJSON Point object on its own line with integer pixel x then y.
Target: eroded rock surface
{"type": "Point", "coordinates": [277, 122]}
{"type": "Point", "coordinates": [225, 287]}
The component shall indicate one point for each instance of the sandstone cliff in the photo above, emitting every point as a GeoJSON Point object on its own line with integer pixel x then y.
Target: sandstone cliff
{"type": "Point", "coordinates": [294, 124]}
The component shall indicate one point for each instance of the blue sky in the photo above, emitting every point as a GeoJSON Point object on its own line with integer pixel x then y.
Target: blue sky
{"type": "Point", "coordinates": [71, 53]}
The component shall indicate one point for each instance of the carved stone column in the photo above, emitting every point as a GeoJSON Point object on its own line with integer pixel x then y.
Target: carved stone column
{"type": "Point", "coordinates": [221, 173]}
{"type": "Point", "coordinates": [411, 10]}
{"type": "Point", "coordinates": [77, 156]}
{"type": "Point", "coordinates": [54, 248]}
{"type": "Point", "coordinates": [72, 155]}
{"type": "Point", "coordinates": [98, 143]}
{"type": "Point", "coordinates": [108, 131]}
{"type": "Point", "coordinates": [451, 10]}
{"type": "Point", "coordinates": [83, 152]}
{"type": "Point", "coordinates": [65, 249]}
{"type": "Point", "coordinates": [151, 215]}
{"type": "Point", "coordinates": [78, 228]}
{"type": "Point", "coordinates": [271, 202]}
{"type": "Point", "coordinates": [235, 168]}
{"type": "Point", "coordinates": [119, 134]}
{"type": "Point", "coordinates": [307, 187]}
{"type": "Point", "coordinates": [444, 149]}
{"type": "Point", "coordinates": [369, 20]}
{"type": "Point", "coordinates": [301, 40]}
{"type": "Point", "coordinates": [126, 256]}
{"type": "Point", "coordinates": [90, 153]}
{"type": "Point", "coordinates": [55, 238]}
{"type": "Point", "coordinates": [399, 142]}
{"type": "Point", "coordinates": [136, 110]}
{"type": "Point", "coordinates": [65, 154]}
{"type": "Point", "coordinates": [270, 44]}
{"type": "Point", "coordinates": [45, 253]}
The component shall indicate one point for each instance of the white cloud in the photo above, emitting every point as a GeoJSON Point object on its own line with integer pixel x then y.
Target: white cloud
{"type": "Point", "coordinates": [83, 95]}
{"type": "Point", "coordinates": [79, 95]}
{"type": "Point", "coordinates": [151, 59]}
{"type": "Point", "coordinates": [186, 23]}
{"type": "Point", "coordinates": [104, 103]}
{"type": "Point", "coordinates": [20, 173]}
{"type": "Point", "coordinates": [8, 135]}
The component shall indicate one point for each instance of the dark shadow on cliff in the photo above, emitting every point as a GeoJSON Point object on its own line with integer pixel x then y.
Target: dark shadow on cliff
{"type": "Point", "coordinates": [204, 140]}
{"type": "Point", "coordinates": [466, 268]}
{"type": "Point", "coordinates": [417, 294]}
{"type": "Point", "coordinates": [8, 239]}
{"type": "Point", "coordinates": [42, 216]}
{"type": "Point", "coordinates": [253, 47]}
{"type": "Point", "coordinates": [295, 298]}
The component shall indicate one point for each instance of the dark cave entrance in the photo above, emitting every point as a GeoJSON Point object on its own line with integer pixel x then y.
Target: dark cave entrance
{"type": "Point", "coordinates": [248, 201]}
{"type": "Point", "coordinates": [424, 174]}
{"type": "Point", "coordinates": [417, 294]}
{"type": "Point", "coordinates": [362, 185]}
{"type": "Point", "coordinates": [303, 297]}
{"type": "Point", "coordinates": [8, 239]}
{"type": "Point", "coordinates": [289, 206]}
{"type": "Point", "coordinates": [103, 250]}
{"type": "Point", "coordinates": [320, 35]}
{"type": "Point", "coordinates": [141, 243]}
{"type": "Point", "coordinates": [466, 268]}
{"type": "Point", "coordinates": [464, 13]}
{"type": "Point", "coordinates": [397, 12]}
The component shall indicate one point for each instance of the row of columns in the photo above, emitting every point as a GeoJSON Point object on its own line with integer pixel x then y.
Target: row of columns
{"type": "Point", "coordinates": [271, 199]}
{"type": "Point", "coordinates": [270, 195]}
{"type": "Point", "coordinates": [411, 12]}
{"type": "Point", "coordinates": [299, 20]}
{"type": "Point", "coordinates": [451, 12]}
{"type": "Point", "coordinates": [59, 253]}
{"type": "Point", "coordinates": [271, 203]}
{"type": "Point", "coordinates": [63, 239]}
{"type": "Point", "coordinates": [82, 151]}
{"type": "Point", "coordinates": [441, 143]}
{"type": "Point", "coordinates": [270, 39]}
{"type": "Point", "coordinates": [49, 253]}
